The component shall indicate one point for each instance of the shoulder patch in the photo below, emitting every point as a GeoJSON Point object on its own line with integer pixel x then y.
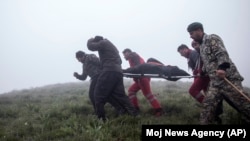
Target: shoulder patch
{"type": "Point", "coordinates": [213, 42]}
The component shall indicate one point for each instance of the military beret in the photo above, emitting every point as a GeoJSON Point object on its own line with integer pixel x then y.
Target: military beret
{"type": "Point", "coordinates": [194, 26]}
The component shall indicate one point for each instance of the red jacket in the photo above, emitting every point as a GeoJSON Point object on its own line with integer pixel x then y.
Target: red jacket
{"type": "Point", "coordinates": [134, 59]}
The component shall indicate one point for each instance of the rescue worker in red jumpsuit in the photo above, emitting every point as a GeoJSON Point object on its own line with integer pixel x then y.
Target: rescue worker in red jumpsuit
{"type": "Point", "coordinates": [201, 82]}
{"type": "Point", "coordinates": [142, 84]}
{"type": "Point", "coordinates": [194, 62]}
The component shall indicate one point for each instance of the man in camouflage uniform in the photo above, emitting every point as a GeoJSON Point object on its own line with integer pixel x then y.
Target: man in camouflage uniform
{"type": "Point", "coordinates": [91, 67]}
{"type": "Point", "coordinates": [110, 80]}
{"type": "Point", "coordinates": [218, 65]}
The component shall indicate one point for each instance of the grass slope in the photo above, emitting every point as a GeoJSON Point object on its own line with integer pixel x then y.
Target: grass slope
{"type": "Point", "coordinates": [63, 112]}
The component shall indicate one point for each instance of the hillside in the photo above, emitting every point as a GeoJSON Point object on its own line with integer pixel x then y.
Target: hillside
{"type": "Point", "coordinates": [63, 112]}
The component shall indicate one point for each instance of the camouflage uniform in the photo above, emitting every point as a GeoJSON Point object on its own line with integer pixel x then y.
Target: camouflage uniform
{"type": "Point", "coordinates": [214, 56]}
{"type": "Point", "coordinates": [92, 68]}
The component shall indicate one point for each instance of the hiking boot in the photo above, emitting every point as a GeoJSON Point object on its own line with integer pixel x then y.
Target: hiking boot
{"type": "Point", "coordinates": [120, 112]}
{"type": "Point", "coordinates": [218, 120]}
{"type": "Point", "coordinates": [158, 112]}
{"type": "Point", "coordinates": [137, 109]}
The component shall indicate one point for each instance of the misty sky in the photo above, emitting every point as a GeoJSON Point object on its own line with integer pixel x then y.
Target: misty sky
{"type": "Point", "coordinates": [39, 38]}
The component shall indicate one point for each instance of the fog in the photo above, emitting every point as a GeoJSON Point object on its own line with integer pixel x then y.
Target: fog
{"type": "Point", "coordinates": [38, 39]}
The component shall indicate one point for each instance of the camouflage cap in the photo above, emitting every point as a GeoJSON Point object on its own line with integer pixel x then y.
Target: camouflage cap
{"type": "Point", "coordinates": [194, 26]}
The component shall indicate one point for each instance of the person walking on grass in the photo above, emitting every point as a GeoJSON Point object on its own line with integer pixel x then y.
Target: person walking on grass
{"type": "Point", "coordinates": [219, 67]}
{"type": "Point", "coordinates": [200, 84]}
{"type": "Point", "coordinates": [142, 83]}
{"type": "Point", "coordinates": [91, 67]}
{"type": "Point", "coordinates": [110, 80]}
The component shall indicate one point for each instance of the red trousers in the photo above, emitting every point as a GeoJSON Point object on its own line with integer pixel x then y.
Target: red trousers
{"type": "Point", "coordinates": [142, 84]}
{"type": "Point", "coordinates": [199, 84]}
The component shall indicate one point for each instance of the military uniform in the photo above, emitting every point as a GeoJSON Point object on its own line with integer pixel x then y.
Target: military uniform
{"type": "Point", "coordinates": [214, 56]}
{"type": "Point", "coordinates": [92, 67]}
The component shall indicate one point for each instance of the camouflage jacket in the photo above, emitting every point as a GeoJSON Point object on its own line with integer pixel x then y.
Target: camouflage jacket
{"type": "Point", "coordinates": [214, 55]}
{"type": "Point", "coordinates": [91, 67]}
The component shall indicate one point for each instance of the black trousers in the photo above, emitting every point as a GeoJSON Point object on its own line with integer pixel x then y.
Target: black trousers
{"type": "Point", "coordinates": [119, 109]}
{"type": "Point", "coordinates": [91, 91]}
{"type": "Point", "coordinates": [110, 84]}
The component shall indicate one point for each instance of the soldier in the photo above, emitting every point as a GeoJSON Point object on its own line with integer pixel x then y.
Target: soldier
{"type": "Point", "coordinates": [91, 67]}
{"type": "Point", "coordinates": [218, 65]}
{"type": "Point", "coordinates": [201, 82]}
{"type": "Point", "coordinates": [110, 80]}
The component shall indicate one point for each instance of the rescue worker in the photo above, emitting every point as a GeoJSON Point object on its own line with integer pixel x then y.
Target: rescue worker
{"type": "Point", "coordinates": [218, 65]}
{"type": "Point", "coordinates": [91, 67]}
{"type": "Point", "coordinates": [201, 82]}
{"type": "Point", "coordinates": [142, 83]}
{"type": "Point", "coordinates": [194, 63]}
{"type": "Point", "coordinates": [110, 80]}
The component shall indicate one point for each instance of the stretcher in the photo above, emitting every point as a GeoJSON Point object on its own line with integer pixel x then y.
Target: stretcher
{"type": "Point", "coordinates": [170, 78]}
{"type": "Point", "coordinates": [171, 73]}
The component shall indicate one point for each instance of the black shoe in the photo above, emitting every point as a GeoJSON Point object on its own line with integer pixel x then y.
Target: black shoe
{"type": "Point", "coordinates": [218, 120]}
{"type": "Point", "coordinates": [137, 109]}
{"type": "Point", "coordinates": [120, 112]}
{"type": "Point", "coordinates": [158, 112]}
{"type": "Point", "coordinates": [103, 119]}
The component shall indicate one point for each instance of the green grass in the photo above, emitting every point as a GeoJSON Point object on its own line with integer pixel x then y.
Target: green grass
{"type": "Point", "coordinates": [63, 112]}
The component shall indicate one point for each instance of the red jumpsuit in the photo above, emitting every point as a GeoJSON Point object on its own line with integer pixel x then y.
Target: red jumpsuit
{"type": "Point", "coordinates": [200, 83]}
{"type": "Point", "coordinates": [142, 84]}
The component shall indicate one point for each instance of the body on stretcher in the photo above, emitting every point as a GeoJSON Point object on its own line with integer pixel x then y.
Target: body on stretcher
{"type": "Point", "coordinates": [171, 73]}
{"type": "Point", "coordinates": [170, 78]}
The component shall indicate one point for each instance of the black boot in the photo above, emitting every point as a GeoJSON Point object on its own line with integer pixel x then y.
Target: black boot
{"type": "Point", "coordinates": [158, 112]}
